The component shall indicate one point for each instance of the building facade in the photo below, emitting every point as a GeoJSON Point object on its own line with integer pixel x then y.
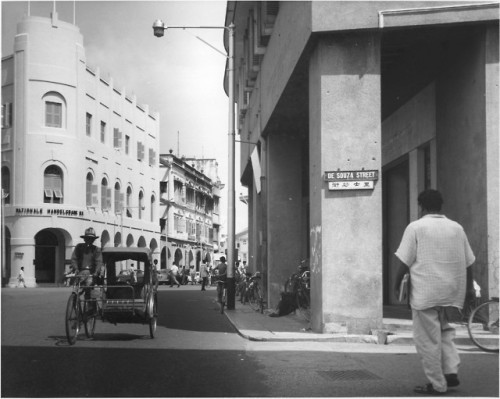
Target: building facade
{"type": "Point", "coordinates": [346, 111]}
{"type": "Point", "coordinates": [241, 243]}
{"type": "Point", "coordinates": [77, 152]}
{"type": "Point", "coordinates": [190, 193]}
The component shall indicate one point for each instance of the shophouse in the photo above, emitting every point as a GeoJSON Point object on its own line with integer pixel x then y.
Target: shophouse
{"type": "Point", "coordinates": [346, 111]}
{"type": "Point", "coordinates": [77, 152]}
{"type": "Point", "coordinates": [190, 192]}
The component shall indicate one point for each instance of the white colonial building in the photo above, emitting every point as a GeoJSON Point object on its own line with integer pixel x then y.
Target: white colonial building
{"type": "Point", "coordinates": [77, 152]}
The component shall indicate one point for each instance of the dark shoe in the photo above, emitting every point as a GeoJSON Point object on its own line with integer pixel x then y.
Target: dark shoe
{"type": "Point", "coordinates": [452, 380]}
{"type": "Point", "coordinates": [427, 390]}
{"type": "Point", "coordinates": [178, 286]}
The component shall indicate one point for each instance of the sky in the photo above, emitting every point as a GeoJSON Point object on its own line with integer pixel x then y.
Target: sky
{"type": "Point", "coordinates": [179, 76]}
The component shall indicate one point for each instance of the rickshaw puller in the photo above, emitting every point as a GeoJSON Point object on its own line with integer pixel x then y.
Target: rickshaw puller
{"type": "Point", "coordinates": [86, 260]}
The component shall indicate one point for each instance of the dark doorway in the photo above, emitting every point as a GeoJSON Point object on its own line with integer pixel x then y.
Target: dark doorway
{"type": "Point", "coordinates": [396, 218]}
{"type": "Point", "coordinates": [6, 265]}
{"type": "Point", "coordinates": [46, 244]}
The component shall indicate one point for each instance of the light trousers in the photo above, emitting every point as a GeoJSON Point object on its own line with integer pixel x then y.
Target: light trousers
{"type": "Point", "coordinates": [433, 338]}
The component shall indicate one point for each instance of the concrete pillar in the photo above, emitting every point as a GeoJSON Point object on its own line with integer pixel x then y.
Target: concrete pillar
{"type": "Point", "coordinates": [22, 254]}
{"type": "Point", "coordinates": [345, 226]}
{"type": "Point", "coordinates": [284, 191]}
{"type": "Point", "coordinates": [492, 156]}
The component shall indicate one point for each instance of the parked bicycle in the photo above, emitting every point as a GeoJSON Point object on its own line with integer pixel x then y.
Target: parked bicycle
{"type": "Point", "coordinates": [299, 285]}
{"type": "Point", "coordinates": [253, 293]}
{"type": "Point", "coordinates": [241, 286]}
{"type": "Point", "coordinates": [483, 325]}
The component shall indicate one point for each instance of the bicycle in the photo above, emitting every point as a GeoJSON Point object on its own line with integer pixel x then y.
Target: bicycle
{"type": "Point", "coordinates": [299, 285]}
{"type": "Point", "coordinates": [79, 311]}
{"type": "Point", "coordinates": [221, 285]}
{"type": "Point", "coordinates": [253, 293]}
{"type": "Point", "coordinates": [483, 325]}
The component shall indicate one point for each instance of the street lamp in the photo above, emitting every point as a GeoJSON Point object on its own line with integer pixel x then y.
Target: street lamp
{"type": "Point", "coordinates": [159, 28]}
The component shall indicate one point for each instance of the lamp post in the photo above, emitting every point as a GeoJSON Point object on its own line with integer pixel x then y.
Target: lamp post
{"type": "Point", "coordinates": [159, 30]}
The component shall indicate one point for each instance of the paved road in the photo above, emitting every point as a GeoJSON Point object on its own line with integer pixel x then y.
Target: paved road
{"type": "Point", "coordinates": [197, 353]}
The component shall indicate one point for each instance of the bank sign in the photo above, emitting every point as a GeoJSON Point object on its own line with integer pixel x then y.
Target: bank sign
{"type": "Point", "coordinates": [351, 179]}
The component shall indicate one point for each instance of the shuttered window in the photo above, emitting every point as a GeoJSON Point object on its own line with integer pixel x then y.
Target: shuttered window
{"type": "Point", "coordinates": [6, 184]}
{"type": "Point", "coordinates": [53, 185]}
{"type": "Point", "coordinates": [104, 195]}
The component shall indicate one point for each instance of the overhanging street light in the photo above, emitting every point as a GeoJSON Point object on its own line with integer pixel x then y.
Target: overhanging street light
{"type": "Point", "coordinates": [159, 29]}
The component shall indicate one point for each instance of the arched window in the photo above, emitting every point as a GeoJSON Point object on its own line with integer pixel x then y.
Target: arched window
{"type": "Point", "coordinates": [55, 110]}
{"type": "Point", "coordinates": [6, 184]}
{"type": "Point", "coordinates": [88, 188]}
{"type": "Point", "coordinates": [105, 195]}
{"type": "Point", "coordinates": [53, 185]}
{"type": "Point", "coordinates": [129, 201]}
{"type": "Point", "coordinates": [118, 199]}
{"type": "Point", "coordinates": [153, 200]}
{"type": "Point", "coordinates": [141, 203]}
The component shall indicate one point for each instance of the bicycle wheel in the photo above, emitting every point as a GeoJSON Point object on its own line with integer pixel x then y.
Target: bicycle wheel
{"type": "Point", "coordinates": [304, 304]}
{"type": "Point", "coordinates": [254, 297]}
{"type": "Point", "coordinates": [483, 326]}
{"type": "Point", "coordinates": [90, 318]}
{"type": "Point", "coordinates": [153, 316]}
{"type": "Point", "coordinates": [72, 319]}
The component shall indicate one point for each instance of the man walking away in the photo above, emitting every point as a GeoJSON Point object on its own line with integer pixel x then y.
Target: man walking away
{"type": "Point", "coordinates": [438, 256]}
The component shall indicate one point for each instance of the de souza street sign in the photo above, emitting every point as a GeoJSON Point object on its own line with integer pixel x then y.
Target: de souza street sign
{"type": "Point", "coordinates": [351, 179]}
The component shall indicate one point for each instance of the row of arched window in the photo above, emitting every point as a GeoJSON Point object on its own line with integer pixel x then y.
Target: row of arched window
{"type": "Point", "coordinates": [110, 200]}
{"type": "Point", "coordinates": [117, 201]}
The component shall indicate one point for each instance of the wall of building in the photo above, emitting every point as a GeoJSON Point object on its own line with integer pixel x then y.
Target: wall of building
{"type": "Point", "coordinates": [49, 63]}
{"type": "Point", "coordinates": [464, 173]}
{"type": "Point", "coordinates": [356, 73]}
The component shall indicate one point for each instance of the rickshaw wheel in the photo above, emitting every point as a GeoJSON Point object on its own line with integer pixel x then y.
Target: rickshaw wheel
{"type": "Point", "coordinates": [153, 316]}
{"type": "Point", "coordinates": [89, 323]}
{"type": "Point", "coordinates": [72, 319]}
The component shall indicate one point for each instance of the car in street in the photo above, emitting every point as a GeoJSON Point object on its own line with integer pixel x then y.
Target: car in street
{"type": "Point", "coordinates": [163, 277]}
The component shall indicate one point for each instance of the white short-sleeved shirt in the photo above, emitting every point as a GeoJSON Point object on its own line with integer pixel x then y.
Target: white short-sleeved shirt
{"type": "Point", "coordinates": [437, 252]}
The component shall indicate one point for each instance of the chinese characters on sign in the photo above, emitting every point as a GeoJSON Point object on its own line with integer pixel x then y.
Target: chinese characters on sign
{"type": "Point", "coordinates": [351, 179]}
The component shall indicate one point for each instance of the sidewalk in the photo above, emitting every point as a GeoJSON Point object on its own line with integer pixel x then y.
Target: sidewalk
{"type": "Point", "coordinates": [255, 326]}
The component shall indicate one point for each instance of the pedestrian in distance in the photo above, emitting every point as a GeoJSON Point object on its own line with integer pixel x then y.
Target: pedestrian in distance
{"type": "Point", "coordinates": [183, 276]}
{"type": "Point", "coordinates": [204, 275]}
{"type": "Point", "coordinates": [192, 274]}
{"type": "Point", "coordinates": [436, 253]}
{"type": "Point", "coordinates": [221, 275]}
{"type": "Point", "coordinates": [20, 277]}
{"type": "Point", "coordinates": [174, 270]}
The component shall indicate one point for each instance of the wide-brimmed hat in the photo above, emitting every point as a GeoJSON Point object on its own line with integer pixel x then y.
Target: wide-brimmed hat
{"type": "Point", "coordinates": [90, 233]}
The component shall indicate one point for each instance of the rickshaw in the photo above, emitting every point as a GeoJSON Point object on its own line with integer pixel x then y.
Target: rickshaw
{"type": "Point", "coordinates": [113, 301]}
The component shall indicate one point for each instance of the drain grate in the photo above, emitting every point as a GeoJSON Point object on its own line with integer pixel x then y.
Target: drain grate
{"type": "Point", "coordinates": [348, 375]}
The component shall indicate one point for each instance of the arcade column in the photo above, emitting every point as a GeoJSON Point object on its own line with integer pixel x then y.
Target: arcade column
{"type": "Point", "coordinates": [22, 254]}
